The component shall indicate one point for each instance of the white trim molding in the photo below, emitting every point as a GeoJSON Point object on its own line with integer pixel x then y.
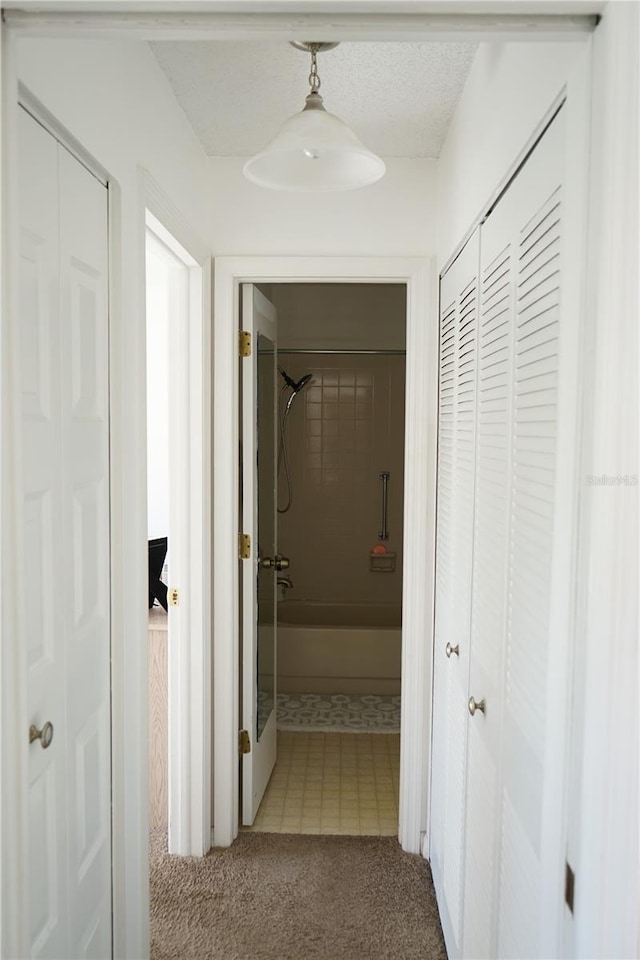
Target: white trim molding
{"type": "Point", "coordinates": [419, 513]}
{"type": "Point", "coordinates": [214, 21]}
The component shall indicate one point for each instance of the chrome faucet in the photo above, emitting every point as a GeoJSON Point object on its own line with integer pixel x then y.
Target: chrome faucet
{"type": "Point", "coordinates": [286, 583]}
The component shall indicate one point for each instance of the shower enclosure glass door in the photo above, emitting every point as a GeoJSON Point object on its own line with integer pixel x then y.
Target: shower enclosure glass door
{"type": "Point", "coordinates": [260, 565]}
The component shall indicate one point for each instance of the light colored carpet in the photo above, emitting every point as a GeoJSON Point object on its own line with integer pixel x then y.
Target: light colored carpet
{"type": "Point", "coordinates": [283, 897]}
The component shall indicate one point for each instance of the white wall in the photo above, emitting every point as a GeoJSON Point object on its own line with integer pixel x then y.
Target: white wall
{"type": "Point", "coordinates": [510, 88]}
{"type": "Point", "coordinates": [394, 217]}
{"type": "Point", "coordinates": [113, 97]}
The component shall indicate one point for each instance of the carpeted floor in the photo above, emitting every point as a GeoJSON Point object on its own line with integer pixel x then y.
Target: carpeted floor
{"type": "Point", "coordinates": [292, 897]}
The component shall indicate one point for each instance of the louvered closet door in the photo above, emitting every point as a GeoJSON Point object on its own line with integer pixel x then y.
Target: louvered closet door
{"type": "Point", "coordinates": [456, 467]}
{"type": "Point", "coordinates": [536, 199]}
{"type": "Point", "coordinates": [488, 605]}
{"type": "Point", "coordinates": [518, 375]}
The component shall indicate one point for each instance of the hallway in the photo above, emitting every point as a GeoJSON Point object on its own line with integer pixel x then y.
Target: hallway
{"type": "Point", "coordinates": [276, 897]}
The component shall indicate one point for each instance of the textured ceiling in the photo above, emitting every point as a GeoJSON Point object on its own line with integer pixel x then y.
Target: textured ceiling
{"type": "Point", "coordinates": [398, 97]}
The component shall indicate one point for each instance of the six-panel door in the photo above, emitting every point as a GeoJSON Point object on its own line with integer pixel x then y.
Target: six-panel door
{"type": "Point", "coordinates": [65, 508]}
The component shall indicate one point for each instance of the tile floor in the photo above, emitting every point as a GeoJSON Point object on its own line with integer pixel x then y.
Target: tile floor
{"type": "Point", "coordinates": [333, 783]}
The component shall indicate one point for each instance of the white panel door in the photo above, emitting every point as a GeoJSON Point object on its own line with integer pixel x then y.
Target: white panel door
{"type": "Point", "coordinates": [42, 484]}
{"type": "Point", "coordinates": [456, 471]}
{"type": "Point", "coordinates": [259, 521]}
{"type": "Point", "coordinates": [85, 588]}
{"type": "Point", "coordinates": [65, 438]}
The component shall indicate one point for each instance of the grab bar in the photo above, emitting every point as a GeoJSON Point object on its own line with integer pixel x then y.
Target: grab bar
{"type": "Point", "coordinates": [384, 476]}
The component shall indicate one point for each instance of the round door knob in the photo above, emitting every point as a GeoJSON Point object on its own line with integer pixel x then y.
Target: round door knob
{"type": "Point", "coordinates": [265, 563]}
{"type": "Point", "coordinates": [476, 705]}
{"type": "Point", "coordinates": [282, 563]}
{"type": "Point", "coordinates": [449, 650]}
{"type": "Point", "coordinates": [45, 736]}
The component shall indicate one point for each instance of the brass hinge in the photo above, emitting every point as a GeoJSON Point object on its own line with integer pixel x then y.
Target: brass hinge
{"type": "Point", "coordinates": [244, 343]}
{"type": "Point", "coordinates": [244, 546]}
{"type": "Point", "coordinates": [174, 597]}
{"type": "Point", "coordinates": [244, 742]}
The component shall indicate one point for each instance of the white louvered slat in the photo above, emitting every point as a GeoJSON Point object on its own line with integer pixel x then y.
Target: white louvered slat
{"type": "Point", "coordinates": [454, 540]}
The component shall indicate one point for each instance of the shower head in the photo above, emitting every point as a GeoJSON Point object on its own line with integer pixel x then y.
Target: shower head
{"type": "Point", "coordinates": [302, 382]}
{"type": "Point", "coordinates": [298, 385]}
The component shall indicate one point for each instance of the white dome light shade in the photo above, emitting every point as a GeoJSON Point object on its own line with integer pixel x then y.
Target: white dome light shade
{"type": "Point", "coordinates": [314, 151]}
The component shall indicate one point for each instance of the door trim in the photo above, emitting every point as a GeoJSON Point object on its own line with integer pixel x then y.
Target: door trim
{"type": "Point", "coordinates": [419, 517]}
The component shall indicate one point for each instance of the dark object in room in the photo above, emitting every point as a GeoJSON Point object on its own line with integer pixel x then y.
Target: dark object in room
{"type": "Point", "coordinates": [157, 554]}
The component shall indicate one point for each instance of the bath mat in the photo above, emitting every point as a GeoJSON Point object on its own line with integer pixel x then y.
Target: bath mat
{"type": "Point", "coordinates": [338, 713]}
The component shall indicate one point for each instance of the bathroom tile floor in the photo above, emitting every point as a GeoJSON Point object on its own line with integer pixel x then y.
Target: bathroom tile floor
{"type": "Point", "coordinates": [333, 783]}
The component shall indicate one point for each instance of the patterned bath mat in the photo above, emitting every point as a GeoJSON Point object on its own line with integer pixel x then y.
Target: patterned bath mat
{"type": "Point", "coordinates": [338, 713]}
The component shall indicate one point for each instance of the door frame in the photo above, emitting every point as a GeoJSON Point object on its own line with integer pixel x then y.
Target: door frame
{"type": "Point", "coordinates": [189, 653]}
{"type": "Point", "coordinates": [419, 275]}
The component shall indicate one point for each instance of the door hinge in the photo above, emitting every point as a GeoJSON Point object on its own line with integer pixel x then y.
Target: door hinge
{"type": "Point", "coordinates": [569, 886]}
{"type": "Point", "coordinates": [244, 546]}
{"type": "Point", "coordinates": [244, 343]}
{"type": "Point", "coordinates": [174, 597]}
{"type": "Point", "coordinates": [244, 742]}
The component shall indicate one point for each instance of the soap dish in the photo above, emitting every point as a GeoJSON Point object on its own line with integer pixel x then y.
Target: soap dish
{"type": "Point", "coordinates": [382, 562]}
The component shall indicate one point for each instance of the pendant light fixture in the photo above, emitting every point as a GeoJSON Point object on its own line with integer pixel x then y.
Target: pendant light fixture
{"type": "Point", "coordinates": [314, 151]}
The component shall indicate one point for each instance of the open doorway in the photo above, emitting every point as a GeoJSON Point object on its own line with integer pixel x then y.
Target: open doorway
{"type": "Point", "coordinates": [177, 536]}
{"type": "Point", "coordinates": [337, 575]}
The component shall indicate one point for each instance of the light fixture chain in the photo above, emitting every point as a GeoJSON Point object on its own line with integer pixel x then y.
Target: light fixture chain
{"type": "Point", "coordinates": [314, 79]}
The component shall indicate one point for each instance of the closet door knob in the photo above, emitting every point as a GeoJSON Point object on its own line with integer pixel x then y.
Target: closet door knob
{"type": "Point", "coordinates": [449, 650]}
{"type": "Point", "coordinates": [476, 705]}
{"type": "Point", "coordinates": [45, 736]}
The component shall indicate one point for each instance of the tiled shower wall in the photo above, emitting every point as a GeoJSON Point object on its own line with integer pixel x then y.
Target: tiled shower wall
{"type": "Point", "coordinates": [343, 430]}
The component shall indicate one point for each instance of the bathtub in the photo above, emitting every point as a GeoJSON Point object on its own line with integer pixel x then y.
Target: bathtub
{"type": "Point", "coordinates": [352, 648]}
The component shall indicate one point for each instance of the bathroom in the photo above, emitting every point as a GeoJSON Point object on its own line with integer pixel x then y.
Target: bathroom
{"type": "Point", "coordinates": [341, 407]}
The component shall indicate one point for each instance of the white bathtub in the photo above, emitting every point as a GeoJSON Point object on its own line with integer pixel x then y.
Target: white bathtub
{"type": "Point", "coordinates": [352, 648]}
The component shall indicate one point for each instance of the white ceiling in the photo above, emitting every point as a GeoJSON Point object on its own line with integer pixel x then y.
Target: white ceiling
{"type": "Point", "coordinates": [398, 97]}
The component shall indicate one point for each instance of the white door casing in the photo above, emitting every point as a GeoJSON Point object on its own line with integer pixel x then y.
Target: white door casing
{"type": "Point", "coordinates": [65, 430]}
{"type": "Point", "coordinates": [259, 406]}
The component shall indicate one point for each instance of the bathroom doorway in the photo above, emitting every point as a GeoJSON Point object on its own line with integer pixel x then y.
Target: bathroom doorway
{"type": "Point", "coordinates": [338, 583]}
{"type": "Point", "coordinates": [418, 275]}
